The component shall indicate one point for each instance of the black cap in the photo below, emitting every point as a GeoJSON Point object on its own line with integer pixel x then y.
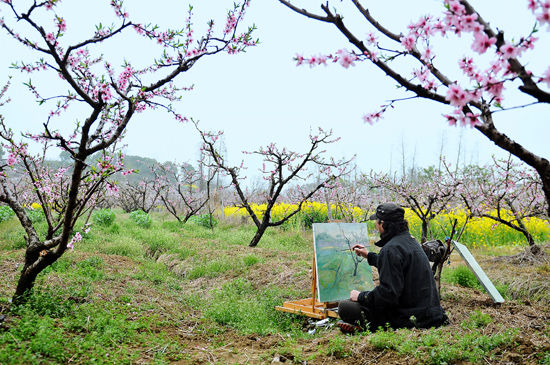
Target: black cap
{"type": "Point", "coordinates": [388, 212]}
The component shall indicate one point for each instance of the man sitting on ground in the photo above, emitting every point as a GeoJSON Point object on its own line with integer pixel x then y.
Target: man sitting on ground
{"type": "Point", "coordinates": [406, 296]}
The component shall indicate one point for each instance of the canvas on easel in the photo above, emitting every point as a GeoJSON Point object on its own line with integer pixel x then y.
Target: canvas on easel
{"type": "Point", "coordinates": [339, 270]}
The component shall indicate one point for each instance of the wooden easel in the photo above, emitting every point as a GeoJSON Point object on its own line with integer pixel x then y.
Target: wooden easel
{"type": "Point", "coordinates": [310, 306]}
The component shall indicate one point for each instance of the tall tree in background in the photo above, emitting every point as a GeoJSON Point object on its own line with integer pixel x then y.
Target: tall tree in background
{"type": "Point", "coordinates": [506, 194]}
{"type": "Point", "coordinates": [183, 190]}
{"type": "Point", "coordinates": [427, 193]}
{"type": "Point", "coordinates": [495, 63]}
{"type": "Point", "coordinates": [106, 95]}
{"type": "Point", "coordinates": [280, 169]}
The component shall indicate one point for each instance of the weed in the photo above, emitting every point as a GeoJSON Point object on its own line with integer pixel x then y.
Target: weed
{"type": "Point", "coordinates": [338, 348]}
{"type": "Point", "coordinates": [477, 320]}
{"type": "Point", "coordinates": [204, 220]}
{"type": "Point", "coordinates": [250, 260]}
{"type": "Point", "coordinates": [35, 215]}
{"type": "Point", "coordinates": [5, 213]}
{"type": "Point", "coordinates": [141, 218]}
{"type": "Point", "coordinates": [383, 340]}
{"type": "Point", "coordinates": [104, 217]}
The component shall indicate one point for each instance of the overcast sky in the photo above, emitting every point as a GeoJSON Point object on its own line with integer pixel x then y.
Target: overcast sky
{"type": "Point", "coordinates": [261, 96]}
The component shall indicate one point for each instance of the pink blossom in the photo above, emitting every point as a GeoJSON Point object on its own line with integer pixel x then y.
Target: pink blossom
{"type": "Point", "coordinates": [458, 97]}
{"type": "Point", "coordinates": [482, 42]}
{"type": "Point", "coordinates": [508, 51]}
{"type": "Point", "coordinates": [469, 22]}
{"type": "Point", "coordinates": [494, 87]}
{"type": "Point", "coordinates": [371, 55]}
{"type": "Point", "coordinates": [50, 38]}
{"type": "Point", "coordinates": [61, 25]}
{"type": "Point", "coordinates": [467, 65]}
{"type": "Point", "coordinates": [408, 42]}
{"type": "Point", "coordinates": [371, 38]}
{"type": "Point", "coordinates": [346, 58]}
{"type": "Point", "coordinates": [77, 238]}
{"type": "Point", "coordinates": [544, 17]}
{"type": "Point", "coordinates": [322, 59]}
{"type": "Point", "coordinates": [546, 78]}
{"type": "Point", "coordinates": [451, 119]}
{"type": "Point", "coordinates": [427, 55]}
{"type": "Point", "coordinates": [469, 119]}
{"type": "Point", "coordinates": [299, 59]}
{"type": "Point", "coordinates": [456, 7]}
{"type": "Point", "coordinates": [12, 159]}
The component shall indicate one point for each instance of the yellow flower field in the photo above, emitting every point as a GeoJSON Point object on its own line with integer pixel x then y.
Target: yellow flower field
{"type": "Point", "coordinates": [480, 232]}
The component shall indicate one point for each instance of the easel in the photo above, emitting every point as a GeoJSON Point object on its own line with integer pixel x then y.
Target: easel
{"type": "Point", "coordinates": [310, 306]}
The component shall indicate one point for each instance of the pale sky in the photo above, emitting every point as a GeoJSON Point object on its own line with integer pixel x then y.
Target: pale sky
{"type": "Point", "coordinates": [261, 96]}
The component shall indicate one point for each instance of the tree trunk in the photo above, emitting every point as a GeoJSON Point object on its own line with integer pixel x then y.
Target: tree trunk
{"type": "Point", "coordinates": [425, 224]}
{"type": "Point", "coordinates": [30, 271]}
{"type": "Point", "coordinates": [258, 236]}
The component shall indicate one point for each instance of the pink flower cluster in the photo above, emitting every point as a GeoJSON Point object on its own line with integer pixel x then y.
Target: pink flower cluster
{"type": "Point", "coordinates": [541, 9]}
{"type": "Point", "coordinates": [61, 25]}
{"type": "Point", "coordinates": [342, 56]}
{"type": "Point", "coordinates": [117, 6]}
{"type": "Point", "coordinates": [458, 97]}
{"type": "Point", "coordinates": [546, 78]}
{"type": "Point", "coordinates": [345, 58]}
{"type": "Point", "coordinates": [459, 118]}
{"type": "Point", "coordinates": [76, 238]}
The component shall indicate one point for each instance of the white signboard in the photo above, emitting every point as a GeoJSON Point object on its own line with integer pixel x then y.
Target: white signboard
{"type": "Point", "coordinates": [478, 272]}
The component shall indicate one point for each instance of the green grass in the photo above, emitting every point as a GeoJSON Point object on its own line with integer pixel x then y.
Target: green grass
{"type": "Point", "coordinates": [91, 332]}
{"type": "Point", "coordinates": [111, 301]}
{"type": "Point", "coordinates": [241, 306]}
{"type": "Point", "coordinates": [439, 346]}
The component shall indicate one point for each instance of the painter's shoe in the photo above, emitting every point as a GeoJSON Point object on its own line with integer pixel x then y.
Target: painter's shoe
{"type": "Point", "coordinates": [348, 328]}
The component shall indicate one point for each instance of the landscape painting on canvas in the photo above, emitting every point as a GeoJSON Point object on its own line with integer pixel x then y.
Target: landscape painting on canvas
{"type": "Point", "coordinates": [339, 269]}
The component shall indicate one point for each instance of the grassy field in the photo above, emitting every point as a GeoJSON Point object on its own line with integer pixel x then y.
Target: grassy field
{"type": "Point", "coordinates": [173, 293]}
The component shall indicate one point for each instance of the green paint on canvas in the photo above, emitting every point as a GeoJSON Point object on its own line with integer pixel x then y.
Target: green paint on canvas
{"type": "Point", "coordinates": [339, 270]}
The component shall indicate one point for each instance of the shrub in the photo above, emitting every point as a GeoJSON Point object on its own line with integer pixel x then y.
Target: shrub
{"type": "Point", "coordinates": [35, 215]}
{"type": "Point", "coordinates": [5, 213]}
{"type": "Point", "coordinates": [204, 220]}
{"type": "Point", "coordinates": [463, 276]}
{"type": "Point", "coordinates": [310, 216]}
{"type": "Point", "coordinates": [104, 217]}
{"type": "Point", "coordinates": [141, 218]}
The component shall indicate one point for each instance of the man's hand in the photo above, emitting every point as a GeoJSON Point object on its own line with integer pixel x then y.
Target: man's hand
{"type": "Point", "coordinates": [360, 250]}
{"type": "Point", "coordinates": [353, 295]}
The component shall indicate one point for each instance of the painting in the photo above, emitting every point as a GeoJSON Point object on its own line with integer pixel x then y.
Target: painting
{"type": "Point", "coordinates": [339, 269]}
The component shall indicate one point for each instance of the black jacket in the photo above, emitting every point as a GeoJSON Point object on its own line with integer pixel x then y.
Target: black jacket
{"type": "Point", "coordinates": [407, 295]}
